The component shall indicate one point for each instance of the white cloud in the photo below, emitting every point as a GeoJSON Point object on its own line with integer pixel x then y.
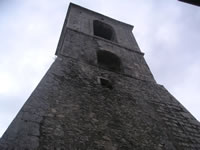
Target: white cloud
{"type": "Point", "coordinates": [6, 81]}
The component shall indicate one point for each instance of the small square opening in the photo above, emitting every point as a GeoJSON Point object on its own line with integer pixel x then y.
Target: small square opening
{"type": "Point", "coordinates": [105, 83]}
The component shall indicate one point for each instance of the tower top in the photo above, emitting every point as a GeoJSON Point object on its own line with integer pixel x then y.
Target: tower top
{"type": "Point", "coordinates": [82, 20]}
{"type": "Point", "coordinates": [77, 7]}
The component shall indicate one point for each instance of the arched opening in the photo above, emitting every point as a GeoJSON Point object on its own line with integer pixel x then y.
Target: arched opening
{"type": "Point", "coordinates": [108, 60]}
{"type": "Point", "coordinates": [103, 30]}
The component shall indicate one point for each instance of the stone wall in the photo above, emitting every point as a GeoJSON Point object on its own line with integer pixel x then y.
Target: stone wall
{"type": "Point", "coordinates": [84, 47]}
{"type": "Point", "coordinates": [70, 109]}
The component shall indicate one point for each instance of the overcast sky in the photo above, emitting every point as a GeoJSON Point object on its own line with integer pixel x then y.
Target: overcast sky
{"type": "Point", "coordinates": [167, 31]}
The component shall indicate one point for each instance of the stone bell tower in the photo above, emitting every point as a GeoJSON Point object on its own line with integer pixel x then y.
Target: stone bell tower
{"type": "Point", "coordinates": [99, 94]}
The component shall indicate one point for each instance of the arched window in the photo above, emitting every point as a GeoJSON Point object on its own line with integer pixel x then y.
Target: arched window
{"type": "Point", "coordinates": [108, 60]}
{"type": "Point", "coordinates": [103, 30]}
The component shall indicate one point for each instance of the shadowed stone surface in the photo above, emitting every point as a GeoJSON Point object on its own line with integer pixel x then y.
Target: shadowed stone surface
{"type": "Point", "coordinates": [71, 110]}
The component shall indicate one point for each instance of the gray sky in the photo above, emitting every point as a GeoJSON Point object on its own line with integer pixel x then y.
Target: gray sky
{"type": "Point", "coordinates": [167, 32]}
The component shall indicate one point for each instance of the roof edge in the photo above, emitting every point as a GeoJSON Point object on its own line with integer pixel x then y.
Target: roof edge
{"type": "Point", "coordinates": [75, 5]}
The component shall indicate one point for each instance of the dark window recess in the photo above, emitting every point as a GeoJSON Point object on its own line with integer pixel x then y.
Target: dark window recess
{"type": "Point", "coordinates": [103, 30]}
{"type": "Point", "coordinates": [105, 83]}
{"type": "Point", "coordinates": [108, 60]}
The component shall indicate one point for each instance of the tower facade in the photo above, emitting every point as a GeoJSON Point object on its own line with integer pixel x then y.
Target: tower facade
{"type": "Point", "coordinates": [99, 94]}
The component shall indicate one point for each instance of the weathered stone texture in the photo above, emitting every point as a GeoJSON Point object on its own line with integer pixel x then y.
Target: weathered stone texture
{"type": "Point", "coordinates": [81, 20]}
{"type": "Point", "coordinates": [84, 47]}
{"type": "Point", "coordinates": [71, 110]}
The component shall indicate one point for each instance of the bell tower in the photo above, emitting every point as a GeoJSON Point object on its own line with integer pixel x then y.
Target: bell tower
{"type": "Point", "coordinates": [103, 42]}
{"type": "Point", "coordinates": [99, 94]}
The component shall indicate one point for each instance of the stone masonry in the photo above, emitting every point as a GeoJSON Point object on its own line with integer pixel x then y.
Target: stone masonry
{"type": "Point", "coordinates": [81, 104]}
